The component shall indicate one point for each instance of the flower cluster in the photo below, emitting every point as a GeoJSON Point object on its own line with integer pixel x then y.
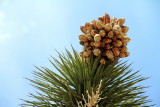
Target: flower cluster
{"type": "Point", "coordinates": [105, 36]}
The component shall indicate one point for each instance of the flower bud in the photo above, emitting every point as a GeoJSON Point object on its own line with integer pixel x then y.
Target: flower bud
{"type": "Point", "coordinates": [114, 38]}
{"type": "Point", "coordinates": [109, 54]}
{"type": "Point", "coordinates": [97, 44]}
{"type": "Point", "coordinates": [96, 52]}
{"type": "Point", "coordinates": [106, 18]}
{"type": "Point", "coordinates": [121, 21]}
{"type": "Point", "coordinates": [108, 46]}
{"type": "Point", "coordinates": [107, 27]}
{"type": "Point", "coordinates": [82, 43]}
{"type": "Point", "coordinates": [102, 61]}
{"type": "Point", "coordinates": [127, 54]}
{"type": "Point", "coordinates": [94, 32]}
{"type": "Point", "coordinates": [122, 55]}
{"type": "Point", "coordinates": [124, 49]}
{"type": "Point", "coordinates": [106, 40]}
{"type": "Point", "coordinates": [94, 24]}
{"type": "Point", "coordinates": [88, 32]}
{"type": "Point", "coordinates": [110, 34]}
{"type": "Point", "coordinates": [115, 51]}
{"type": "Point", "coordinates": [120, 36]}
{"type": "Point", "coordinates": [86, 54]}
{"type": "Point", "coordinates": [113, 20]}
{"type": "Point", "coordinates": [97, 38]}
{"type": "Point", "coordinates": [99, 24]}
{"type": "Point", "coordinates": [125, 29]}
{"type": "Point", "coordinates": [81, 53]}
{"type": "Point", "coordinates": [124, 43]}
{"type": "Point", "coordinates": [117, 29]}
{"type": "Point", "coordinates": [117, 43]}
{"type": "Point", "coordinates": [103, 44]}
{"type": "Point", "coordinates": [89, 37]}
{"type": "Point", "coordinates": [116, 58]}
{"type": "Point", "coordinates": [102, 33]}
{"type": "Point", "coordinates": [126, 39]}
{"type": "Point", "coordinates": [88, 26]}
{"type": "Point", "coordinates": [89, 51]}
{"type": "Point", "coordinates": [92, 44]}
{"type": "Point", "coordinates": [83, 29]}
{"type": "Point", "coordinates": [86, 44]}
{"type": "Point", "coordinates": [87, 48]}
{"type": "Point", "coordinates": [101, 18]}
{"type": "Point", "coordinates": [83, 38]}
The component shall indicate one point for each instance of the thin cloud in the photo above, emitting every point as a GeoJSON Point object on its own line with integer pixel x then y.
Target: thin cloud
{"type": "Point", "coordinates": [3, 35]}
{"type": "Point", "coordinates": [5, 3]}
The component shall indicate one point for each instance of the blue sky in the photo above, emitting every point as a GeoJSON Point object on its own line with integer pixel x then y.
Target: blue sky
{"type": "Point", "coordinates": [30, 30]}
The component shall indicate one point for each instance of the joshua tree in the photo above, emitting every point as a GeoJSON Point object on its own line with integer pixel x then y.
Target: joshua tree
{"type": "Point", "coordinates": [95, 77]}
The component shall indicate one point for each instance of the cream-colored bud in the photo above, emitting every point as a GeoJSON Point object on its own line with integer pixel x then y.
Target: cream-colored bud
{"type": "Point", "coordinates": [113, 20]}
{"type": "Point", "coordinates": [106, 40]}
{"type": "Point", "coordinates": [124, 49]}
{"type": "Point", "coordinates": [115, 51]}
{"type": "Point", "coordinates": [83, 29]}
{"type": "Point", "coordinates": [110, 34]}
{"type": "Point", "coordinates": [109, 54]}
{"type": "Point", "coordinates": [102, 61]}
{"type": "Point", "coordinates": [102, 33]}
{"type": "Point", "coordinates": [127, 54]}
{"type": "Point", "coordinates": [117, 43]}
{"type": "Point", "coordinates": [121, 21]}
{"type": "Point", "coordinates": [108, 27]}
{"type": "Point", "coordinates": [125, 29]}
{"type": "Point", "coordinates": [88, 32]}
{"type": "Point", "coordinates": [83, 38]}
{"type": "Point", "coordinates": [122, 55]}
{"type": "Point", "coordinates": [106, 18]}
{"type": "Point", "coordinates": [94, 32]}
{"type": "Point", "coordinates": [99, 24]}
{"type": "Point", "coordinates": [117, 29]}
{"type": "Point", "coordinates": [97, 44]}
{"type": "Point", "coordinates": [96, 52]}
{"type": "Point", "coordinates": [88, 26]}
{"type": "Point", "coordinates": [97, 38]}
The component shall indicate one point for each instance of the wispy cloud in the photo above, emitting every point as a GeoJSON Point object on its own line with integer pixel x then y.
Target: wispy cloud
{"type": "Point", "coordinates": [3, 25]}
{"type": "Point", "coordinates": [5, 2]}
{"type": "Point", "coordinates": [4, 37]}
{"type": "Point", "coordinates": [12, 26]}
